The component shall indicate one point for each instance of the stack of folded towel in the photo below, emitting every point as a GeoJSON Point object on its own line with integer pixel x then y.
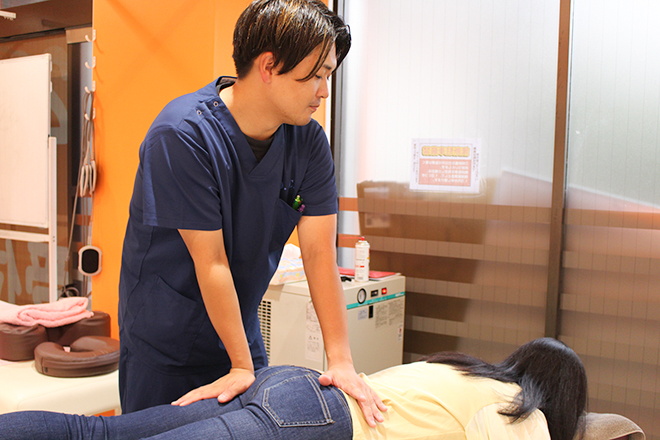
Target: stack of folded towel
{"type": "Point", "coordinates": [55, 314]}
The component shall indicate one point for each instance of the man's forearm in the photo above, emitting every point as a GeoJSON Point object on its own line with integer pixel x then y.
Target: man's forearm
{"type": "Point", "coordinates": [219, 293]}
{"type": "Point", "coordinates": [330, 305]}
{"type": "Point", "coordinates": [224, 311]}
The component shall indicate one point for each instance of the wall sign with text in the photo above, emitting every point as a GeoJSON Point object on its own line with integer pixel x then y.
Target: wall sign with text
{"type": "Point", "coordinates": [450, 165]}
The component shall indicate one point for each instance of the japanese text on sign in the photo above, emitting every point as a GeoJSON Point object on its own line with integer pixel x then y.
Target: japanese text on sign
{"type": "Point", "coordinates": [446, 165]}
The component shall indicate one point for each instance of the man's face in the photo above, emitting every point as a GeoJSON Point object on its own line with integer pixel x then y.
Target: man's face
{"type": "Point", "coordinates": [295, 101]}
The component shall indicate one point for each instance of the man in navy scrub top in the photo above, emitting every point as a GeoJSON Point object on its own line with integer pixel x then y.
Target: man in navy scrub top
{"type": "Point", "coordinates": [225, 175]}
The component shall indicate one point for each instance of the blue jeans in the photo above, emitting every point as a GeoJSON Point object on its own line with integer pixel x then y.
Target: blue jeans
{"type": "Point", "coordinates": [284, 403]}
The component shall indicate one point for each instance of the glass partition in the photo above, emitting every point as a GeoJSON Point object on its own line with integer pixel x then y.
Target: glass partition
{"type": "Point", "coordinates": [439, 74]}
{"type": "Point", "coordinates": [611, 274]}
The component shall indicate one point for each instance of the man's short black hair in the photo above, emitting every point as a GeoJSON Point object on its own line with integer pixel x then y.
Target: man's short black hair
{"type": "Point", "coordinates": [290, 30]}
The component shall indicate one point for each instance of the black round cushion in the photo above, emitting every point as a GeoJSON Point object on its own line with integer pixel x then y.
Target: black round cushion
{"type": "Point", "coordinates": [89, 356]}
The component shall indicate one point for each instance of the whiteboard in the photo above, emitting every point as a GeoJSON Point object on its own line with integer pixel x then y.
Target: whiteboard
{"type": "Point", "coordinates": [24, 129]}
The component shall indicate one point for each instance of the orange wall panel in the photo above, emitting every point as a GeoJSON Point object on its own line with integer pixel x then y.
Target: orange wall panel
{"type": "Point", "coordinates": [147, 53]}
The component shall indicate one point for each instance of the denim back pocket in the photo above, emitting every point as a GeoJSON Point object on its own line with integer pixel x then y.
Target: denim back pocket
{"type": "Point", "coordinates": [297, 401]}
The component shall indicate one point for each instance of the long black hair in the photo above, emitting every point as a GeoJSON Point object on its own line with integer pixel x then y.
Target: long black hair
{"type": "Point", "coordinates": [551, 377]}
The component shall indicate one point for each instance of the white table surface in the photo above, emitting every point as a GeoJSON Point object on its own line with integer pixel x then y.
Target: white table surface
{"type": "Point", "coordinates": [22, 387]}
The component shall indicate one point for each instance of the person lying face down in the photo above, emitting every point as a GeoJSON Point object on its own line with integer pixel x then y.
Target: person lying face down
{"type": "Point", "coordinates": [538, 392]}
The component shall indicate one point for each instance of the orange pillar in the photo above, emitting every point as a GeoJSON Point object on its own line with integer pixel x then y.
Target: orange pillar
{"type": "Point", "coordinates": [147, 53]}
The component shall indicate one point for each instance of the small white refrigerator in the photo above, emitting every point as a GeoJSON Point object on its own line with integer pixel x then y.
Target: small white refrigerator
{"type": "Point", "coordinates": [376, 314]}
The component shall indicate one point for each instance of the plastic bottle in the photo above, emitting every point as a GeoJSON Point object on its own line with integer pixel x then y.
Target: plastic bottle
{"type": "Point", "coordinates": [362, 260]}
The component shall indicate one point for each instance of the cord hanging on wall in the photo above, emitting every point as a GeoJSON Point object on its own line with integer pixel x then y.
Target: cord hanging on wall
{"type": "Point", "coordinates": [87, 181]}
{"type": "Point", "coordinates": [89, 256]}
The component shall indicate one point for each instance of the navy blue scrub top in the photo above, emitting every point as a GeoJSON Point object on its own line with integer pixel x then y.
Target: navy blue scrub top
{"type": "Point", "coordinates": [198, 172]}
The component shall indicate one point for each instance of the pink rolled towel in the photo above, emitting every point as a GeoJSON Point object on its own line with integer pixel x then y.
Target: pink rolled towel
{"type": "Point", "coordinates": [62, 312]}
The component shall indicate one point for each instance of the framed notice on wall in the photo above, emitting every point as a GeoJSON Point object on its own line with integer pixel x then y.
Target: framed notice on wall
{"type": "Point", "coordinates": [448, 165]}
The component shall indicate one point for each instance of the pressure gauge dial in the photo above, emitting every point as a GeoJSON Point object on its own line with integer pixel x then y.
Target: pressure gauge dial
{"type": "Point", "coordinates": [361, 296]}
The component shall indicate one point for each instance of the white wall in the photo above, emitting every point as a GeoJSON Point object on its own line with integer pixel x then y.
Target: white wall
{"type": "Point", "coordinates": [449, 69]}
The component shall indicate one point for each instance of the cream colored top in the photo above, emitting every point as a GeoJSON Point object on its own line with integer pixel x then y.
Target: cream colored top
{"type": "Point", "coordinates": [435, 401]}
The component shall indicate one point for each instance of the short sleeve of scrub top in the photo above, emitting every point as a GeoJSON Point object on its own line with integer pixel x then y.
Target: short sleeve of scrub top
{"type": "Point", "coordinates": [180, 191]}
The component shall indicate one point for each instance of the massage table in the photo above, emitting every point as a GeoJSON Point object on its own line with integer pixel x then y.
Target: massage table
{"type": "Point", "coordinates": [37, 373]}
{"type": "Point", "coordinates": [23, 388]}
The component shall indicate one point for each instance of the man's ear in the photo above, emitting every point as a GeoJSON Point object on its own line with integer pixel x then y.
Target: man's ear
{"type": "Point", "coordinates": [266, 65]}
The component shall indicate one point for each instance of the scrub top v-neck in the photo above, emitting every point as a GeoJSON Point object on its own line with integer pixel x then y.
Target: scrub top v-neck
{"type": "Point", "coordinates": [197, 171]}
